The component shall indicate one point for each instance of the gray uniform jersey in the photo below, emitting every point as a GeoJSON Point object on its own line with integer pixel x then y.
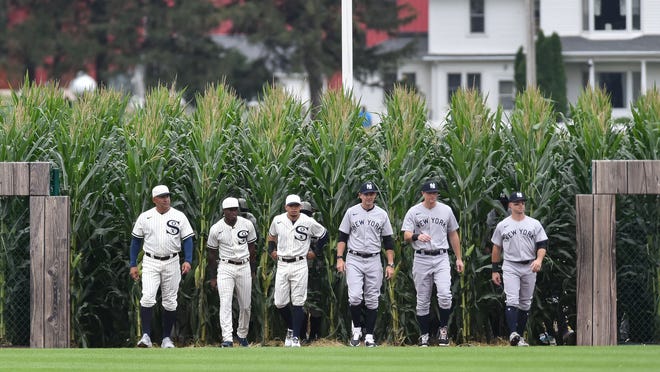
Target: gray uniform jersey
{"type": "Point", "coordinates": [436, 222]}
{"type": "Point", "coordinates": [518, 238]}
{"type": "Point", "coordinates": [232, 242]}
{"type": "Point", "coordinates": [365, 228]}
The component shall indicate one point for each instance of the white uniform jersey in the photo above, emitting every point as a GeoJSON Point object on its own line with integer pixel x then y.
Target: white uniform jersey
{"type": "Point", "coordinates": [365, 228]}
{"type": "Point", "coordinates": [436, 222]}
{"type": "Point", "coordinates": [232, 241]}
{"type": "Point", "coordinates": [294, 238]}
{"type": "Point", "coordinates": [162, 233]}
{"type": "Point", "coordinates": [518, 238]}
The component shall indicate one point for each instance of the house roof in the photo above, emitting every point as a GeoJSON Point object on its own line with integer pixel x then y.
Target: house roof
{"type": "Point", "coordinates": [639, 45]}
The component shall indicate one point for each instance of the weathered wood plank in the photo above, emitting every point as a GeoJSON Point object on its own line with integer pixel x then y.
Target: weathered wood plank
{"type": "Point", "coordinates": [21, 179]}
{"type": "Point", "coordinates": [644, 177]}
{"type": "Point", "coordinates": [609, 177]}
{"type": "Point", "coordinates": [6, 179]}
{"type": "Point", "coordinates": [585, 268]}
{"type": "Point", "coordinates": [40, 179]}
{"type": "Point", "coordinates": [56, 303]}
{"type": "Point", "coordinates": [604, 292]}
{"type": "Point", "coordinates": [37, 256]}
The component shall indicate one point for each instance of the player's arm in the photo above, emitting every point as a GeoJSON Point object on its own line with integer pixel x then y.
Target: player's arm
{"type": "Point", "coordinates": [136, 245]}
{"type": "Point", "coordinates": [252, 248]}
{"type": "Point", "coordinates": [272, 246]}
{"type": "Point", "coordinates": [388, 243]}
{"type": "Point", "coordinates": [455, 242]}
{"type": "Point", "coordinates": [212, 265]}
{"type": "Point", "coordinates": [320, 245]}
{"type": "Point", "coordinates": [188, 253]}
{"type": "Point", "coordinates": [496, 260]}
{"type": "Point", "coordinates": [341, 250]}
{"type": "Point", "coordinates": [541, 249]}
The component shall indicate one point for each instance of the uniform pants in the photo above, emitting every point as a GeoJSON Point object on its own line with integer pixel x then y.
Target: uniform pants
{"type": "Point", "coordinates": [291, 283]}
{"type": "Point", "coordinates": [234, 278]}
{"type": "Point", "coordinates": [364, 277]}
{"type": "Point", "coordinates": [519, 281]}
{"type": "Point", "coordinates": [163, 274]}
{"type": "Point", "coordinates": [429, 270]}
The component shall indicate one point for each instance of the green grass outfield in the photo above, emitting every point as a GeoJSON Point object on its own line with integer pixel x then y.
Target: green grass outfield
{"type": "Point", "coordinates": [334, 358]}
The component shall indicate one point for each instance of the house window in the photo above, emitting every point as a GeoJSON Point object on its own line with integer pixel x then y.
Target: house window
{"type": "Point", "coordinates": [614, 83]}
{"type": "Point", "coordinates": [474, 81]}
{"type": "Point", "coordinates": [476, 16]}
{"type": "Point", "coordinates": [610, 14]}
{"type": "Point", "coordinates": [409, 78]}
{"type": "Point", "coordinates": [453, 84]}
{"type": "Point", "coordinates": [507, 94]}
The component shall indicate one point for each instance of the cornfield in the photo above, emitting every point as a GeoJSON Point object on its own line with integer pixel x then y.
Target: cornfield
{"type": "Point", "coordinates": [111, 154]}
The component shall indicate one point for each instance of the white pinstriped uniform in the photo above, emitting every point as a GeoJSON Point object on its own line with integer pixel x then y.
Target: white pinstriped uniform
{"type": "Point", "coordinates": [293, 241]}
{"type": "Point", "coordinates": [232, 245]}
{"type": "Point", "coordinates": [162, 235]}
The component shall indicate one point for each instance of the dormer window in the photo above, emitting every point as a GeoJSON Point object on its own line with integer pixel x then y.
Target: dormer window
{"type": "Point", "coordinates": [610, 15]}
{"type": "Point", "coordinates": [477, 16]}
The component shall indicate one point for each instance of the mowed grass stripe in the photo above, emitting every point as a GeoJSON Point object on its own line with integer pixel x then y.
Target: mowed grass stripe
{"type": "Point", "coordinates": [483, 358]}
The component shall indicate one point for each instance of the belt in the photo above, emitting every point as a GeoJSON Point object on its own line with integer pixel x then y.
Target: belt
{"type": "Point", "coordinates": [235, 262]}
{"type": "Point", "coordinates": [162, 258]}
{"type": "Point", "coordinates": [527, 262]}
{"type": "Point", "coordinates": [363, 255]}
{"type": "Point", "coordinates": [431, 252]}
{"type": "Point", "coordinates": [290, 259]}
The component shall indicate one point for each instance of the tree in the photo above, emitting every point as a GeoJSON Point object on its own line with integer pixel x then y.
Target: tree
{"type": "Point", "coordinates": [305, 35]}
{"type": "Point", "coordinates": [550, 74]}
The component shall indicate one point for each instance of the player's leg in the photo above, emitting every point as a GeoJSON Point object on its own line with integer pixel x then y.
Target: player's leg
{"type": "Point", "coordinates": [298, 281]}
{"type": "Point", "coordinates": [423, 280]}
{"type": "Point", "coordinates": [281, 299]}
{"type": "Point", "coordinates": [373, 281]}
{"type": "Point", "coordinates": [442, 279]}
{"type": "Point", "coordinates": [170, 279]}
{"type": "Point", "coordinates": [244, 296]}
{"type": "Point", "coordinates": [527, 283]}
{"type": "Point", "coordinates": [511, 282]}
{"type": "Point", "coordinates": [354, 281]}
{"type": "Point", "coordinates": [150, 284]}
{"type": "Point", "coordinates": [226, 293]}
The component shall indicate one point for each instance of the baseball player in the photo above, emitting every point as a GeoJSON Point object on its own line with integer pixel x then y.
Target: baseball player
{"type": "Point", "coordinates": [361, 230]}
{"type": "Point", "coordinates": [316, 268]}
{"type": "Point", "coordinates": [431, 228]}
{"type": "Point", "coordinates": [160, 231]}
{"type": "Point", "coordinates": [231, 248]}
{"type": "Point", "coordinates": [522, 242]}
{"type": "Point", "coordinates": [289, 240]}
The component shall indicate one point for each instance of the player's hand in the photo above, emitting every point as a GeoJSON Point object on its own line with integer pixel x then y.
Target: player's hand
{"type": "Point", "coordinates": [214, 283]}
{"type": "Point", "coordinates": [424, 238]}
{"type": "Point", "coordinates": [185, 268]}
{"type": "Point", "coordinates": [389, 272]}
{"type": "Point", "coordinates": [459, 265]}
{"type": "Point", "coordinates": [134, 273]}
{"type": "Point", "coordinates": [273, 255]}
{"type": "Point", "coordinates": [311, 255]}
{"type": "Point", "coordinates": [340, 265]}
{"type": "Point", "coordinates": [536, 265]}
{"type": "Point", "coordinates": [497, 279]}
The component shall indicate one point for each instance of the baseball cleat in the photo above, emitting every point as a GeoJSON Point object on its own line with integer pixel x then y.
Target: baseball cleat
{"type": "Point", "coordinates": [570, 337]}
{"type": "Point", "coordinates": [227, 344]}
{"type": "Point", "coordinates": [145, 341]}
{"type": "Point", "coordinates": [289, 338]}
{"type": "Point", "coordinates": [357, 333]}
{"type": "Point", "coordinates": [424, 340]}
{"type": "Point", "coordinates": [443, 337]}
{"type": "Point", "coordinates": [295, 342]}
{"type": "Point", "coordinates": [522, 342]}
{"type": "Point", "coordinates": [369, 341]}
{"type": "Point", "coordinates": [243, 342]}
{"type": "Point", "coordinates": [514, 338]}
{"type": "Point", "coordinates": [167, 343]}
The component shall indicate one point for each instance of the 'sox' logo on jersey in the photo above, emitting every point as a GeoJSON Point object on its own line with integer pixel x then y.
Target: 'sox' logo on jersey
{"type": "Point", "coordinates": [172, 227]}
{"type": "Point", "coordinates": [301, 233]}
{"type": "Point", "coordinates": [242, 236]}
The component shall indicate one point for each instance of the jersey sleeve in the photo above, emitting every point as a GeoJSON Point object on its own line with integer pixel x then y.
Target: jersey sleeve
{"type": "Point", "coordinates": [452, 224]}
{"type": "Point", "coordinates": [408, 222]}
{"type": "Point", "coordinates": [252, 231]}
{"type": "Point", "coordinates": [212, 241]}
{"type": "Point", "coordinates": [138, 229]}
{"type": "Point", "coordinates": [540, 233]}
{"type": "Point", "coordinates": [272, 231]}
{"type": "Point", "coordinates": [317, 229]}
{"type": "Point", "coordinates": [497, 236]}
{"type": "Point", "coordinates": [345, 225]}
{"type": "Point", "coordinates": [186, 228]}
{"type": "Point", "coordinates": [387, 226]}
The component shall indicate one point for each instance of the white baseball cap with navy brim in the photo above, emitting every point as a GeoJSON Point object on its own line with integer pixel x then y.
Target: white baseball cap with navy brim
{"type": "Point", "coordinates": [160, 190]}
{"type": "Point", "coordinates": [293, 199]}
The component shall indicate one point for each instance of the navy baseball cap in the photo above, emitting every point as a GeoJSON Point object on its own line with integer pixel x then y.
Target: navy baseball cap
{"type": "Point", "coordinates": [431, 186]}
{"type": "Point", "coordinates": [368, 187]}
{"type": "Point", "coordinates": [517, 196]}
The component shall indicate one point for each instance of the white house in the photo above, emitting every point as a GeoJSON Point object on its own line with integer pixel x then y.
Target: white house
{"type": "Point", "coordinates": [472, 43]}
